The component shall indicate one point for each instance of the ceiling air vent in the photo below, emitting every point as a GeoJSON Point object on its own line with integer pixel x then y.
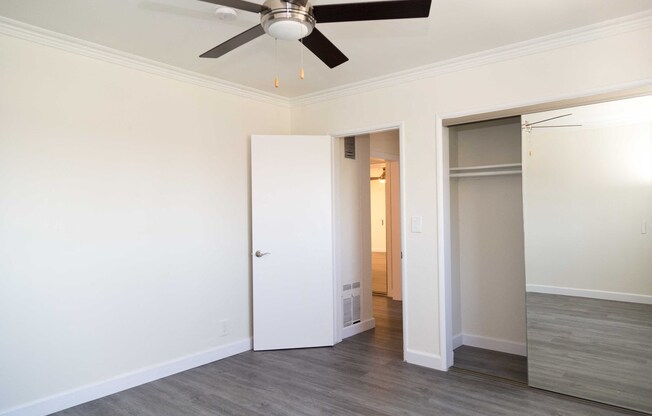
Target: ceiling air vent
{"type": "Point", "coordinates": [349, 147]}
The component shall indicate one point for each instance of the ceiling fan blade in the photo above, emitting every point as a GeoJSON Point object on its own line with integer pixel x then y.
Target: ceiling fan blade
{"type": "Point", "coordinates": [560, 125]}
{"type": "Point", "coordinates": [548, 119]}
{"type": "Point", "coordinates": [238, 4]}
{"type": "Point", "coordinates": [234, 42]}
{"type": "Point", "coordinates": [375, 10]}
{"type": "Point", "coordinates": [324, 49]}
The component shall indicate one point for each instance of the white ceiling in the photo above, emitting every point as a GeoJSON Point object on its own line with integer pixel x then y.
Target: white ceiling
{"type": "Point", "coordinates": [176, 32]}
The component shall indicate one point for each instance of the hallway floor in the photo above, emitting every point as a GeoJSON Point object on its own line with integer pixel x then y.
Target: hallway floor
{"type": "Point", "coordinates": [379, 272]}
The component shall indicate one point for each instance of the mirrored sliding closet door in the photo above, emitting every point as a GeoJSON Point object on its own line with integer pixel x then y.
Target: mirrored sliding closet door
{"type": "Point", "coordinates": [587, 210]}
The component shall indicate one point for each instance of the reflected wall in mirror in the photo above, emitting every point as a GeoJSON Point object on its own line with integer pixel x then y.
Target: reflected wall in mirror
{"type": "Point", "coordinates": [587, 201]}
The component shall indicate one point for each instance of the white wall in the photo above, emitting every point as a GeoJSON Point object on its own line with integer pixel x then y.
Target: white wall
{"type": "Point", "coordinates": [385, 144]}
{"type": "Point", "coordinates": [491, 142]}
{"type": "Point", "coordinates": [354, 224]}
{"type": "Point", "coordinates": [487, 235]}
{"type": "Point", "coordinates": [124, 225]}
{"type": "Point", "coordinates": [377, 196]}
{"type": "Point", "coordinates": [572, 70]}
{"type": "Point", "coordinates": [587, 192]}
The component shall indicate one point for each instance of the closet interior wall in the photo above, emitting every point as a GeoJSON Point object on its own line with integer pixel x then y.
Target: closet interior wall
{"type": "Point", "coordinates": [486, 208]}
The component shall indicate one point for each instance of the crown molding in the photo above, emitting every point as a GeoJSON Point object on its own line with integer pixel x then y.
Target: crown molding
{"type": "Point", "coordinates": [613, 27]}
{"type": "Point", "coordinates": [637, 21]}
{"type": "Point", "coordinates": [77, 46]}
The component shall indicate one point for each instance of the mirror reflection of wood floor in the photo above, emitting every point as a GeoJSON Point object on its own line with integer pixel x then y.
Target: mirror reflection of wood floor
{"type": "Point", "coordinates": [362, 375]}
{"type": "Point", "coordinates": [492, 363]}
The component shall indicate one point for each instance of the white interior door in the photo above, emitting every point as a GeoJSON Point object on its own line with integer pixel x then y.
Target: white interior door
{"type": "Point", "coordinates": [292, 221]}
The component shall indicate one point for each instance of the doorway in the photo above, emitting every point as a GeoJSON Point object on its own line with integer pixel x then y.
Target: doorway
{"type": "Point", "coordinates": [368, 235]}
{"type": "Point", "coordinates": [378, 201]}
{"type": "Point", "coordinates": [384, 185]}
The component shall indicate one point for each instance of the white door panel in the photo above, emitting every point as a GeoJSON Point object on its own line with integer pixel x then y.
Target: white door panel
{"type": "Point", "coordinates": [293, 293]}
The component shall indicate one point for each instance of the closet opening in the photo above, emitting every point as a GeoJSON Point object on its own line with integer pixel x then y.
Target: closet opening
{"type": "Point", "coordinates": [487, 249]}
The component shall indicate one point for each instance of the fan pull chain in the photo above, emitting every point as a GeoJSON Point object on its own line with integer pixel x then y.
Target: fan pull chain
{"type": "Point", "coordinates": [302, 75]}
{"type": "Point", "coordinates": [276, 83]}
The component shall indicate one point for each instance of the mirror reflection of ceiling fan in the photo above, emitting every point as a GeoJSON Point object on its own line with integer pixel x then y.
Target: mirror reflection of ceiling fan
{"type": "Point", "coordinates": [529, 126]}
{"type": "Point", "coordinates": [296, 19]}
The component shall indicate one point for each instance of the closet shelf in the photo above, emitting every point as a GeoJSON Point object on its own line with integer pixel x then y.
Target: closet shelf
{"type": "Point", "coordinates": [493, 173]}
{"type": "Point", "coordinates": [487, 167]}
{"type": "Point", "coordinates": [486, 170]}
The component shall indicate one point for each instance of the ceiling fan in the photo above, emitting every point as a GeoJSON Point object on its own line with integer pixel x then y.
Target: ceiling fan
{"type": "Point", "coordinates": [529, 126]}
{"type": "Point", "coordinates": [380, 178]}
{"type": "Point", "coordinates": [296, 19]}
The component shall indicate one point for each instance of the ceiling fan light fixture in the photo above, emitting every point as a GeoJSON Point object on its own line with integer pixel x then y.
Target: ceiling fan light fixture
{"type": "Point", "coordinates": [288, 29]}
{"type": "Point", "coordinates": [287, 21]}
{"type": "Point", "coordinates": [382, 178]}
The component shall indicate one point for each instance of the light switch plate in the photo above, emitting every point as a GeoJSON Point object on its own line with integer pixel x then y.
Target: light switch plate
{"type": "Point", "coordinates": [417, 222]}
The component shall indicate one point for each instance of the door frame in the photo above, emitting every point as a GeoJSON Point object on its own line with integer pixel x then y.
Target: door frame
{"type": "Point", "coordinates": [337, 277]}
{"type": "Point", "coordinates": [391, 221]}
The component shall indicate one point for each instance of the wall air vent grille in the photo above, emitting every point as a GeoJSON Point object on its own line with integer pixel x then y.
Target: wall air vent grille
{"type": "Point", "coordinates": [355, 309]}
{"type": "Point", "coordinates": [346, 311]}
{"type": "Point", "coordinates": [349, 147]}
{"type": "Point", "coordinates": [351, 305]}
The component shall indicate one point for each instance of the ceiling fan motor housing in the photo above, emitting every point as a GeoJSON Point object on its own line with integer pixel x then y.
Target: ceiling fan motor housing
{"type": "Point", "coordinates": [287, 21]}
{"type": "Point", "coordinates": [295, 19]}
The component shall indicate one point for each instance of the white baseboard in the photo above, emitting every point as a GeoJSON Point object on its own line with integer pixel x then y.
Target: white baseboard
{"type": "Point", "coordinates": [126, 381]}
{"type": "Point", "coordinates": [494, 344]}
{"type": "Point", "coordinates": [458, 340]}
{"type": "Point", "coordinates": [587, 293]}
{"type": "Point", "coordinates": [425, 359]}
{"type": "Point", "coordinates": [361, 326]}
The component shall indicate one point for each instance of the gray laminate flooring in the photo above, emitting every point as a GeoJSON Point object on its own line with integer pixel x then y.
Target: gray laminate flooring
{"type": "Point", "coordinates": [493, 363]}
{"type": "Point", "coordinates": [363, 375]}
{"type": "Point", "coordinates": [592, 348]}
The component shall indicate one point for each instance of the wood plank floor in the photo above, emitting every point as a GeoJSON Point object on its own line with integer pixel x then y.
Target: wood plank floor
{"type": "Point", "coordinates": [493, 363]}
{"type": "Point", "coordinates": [363, 375]}
{"type": "Point", "coordinates": [379, 272]}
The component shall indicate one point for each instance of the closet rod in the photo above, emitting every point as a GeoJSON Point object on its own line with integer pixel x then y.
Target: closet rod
{"type": "Point", "coordinates": [484, 167]}
{"type": "Point", "coordinates": [494, 173]}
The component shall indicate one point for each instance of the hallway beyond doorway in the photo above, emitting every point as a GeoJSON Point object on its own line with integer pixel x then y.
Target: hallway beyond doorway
{"type": "Point", "coordinates": [379, 273]}
{"type": "Point", "coordinates": [388, 333]}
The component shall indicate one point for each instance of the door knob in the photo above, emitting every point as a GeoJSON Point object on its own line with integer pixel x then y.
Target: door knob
{"type": "Point", "coordinates": [260, 253]}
